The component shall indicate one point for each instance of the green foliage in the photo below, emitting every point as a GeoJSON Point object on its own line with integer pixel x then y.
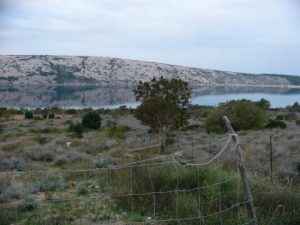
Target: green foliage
{"type": "Point", "coordinates": [71, 111]}
{"type": "Point", "coordinates": [172, 204]}
{"type": "Point", "coordinates": [243, 115]}
{"type": "Point", "coordinates": [51, 183]}
{"type": "Point", "coordinates": [11, 164]}
{"type": "Point", "coordinates": [275, 124]}
{"type": "Point", "coordinates": [28, 115]}
{"type": "Point", "coordinates": [295, 107]}
{"type": "Point", "coordinates": [279, 117]}
{"type": "Point", "coordinates": [12, 192]}
{"type": "Point", "coordinates": [1, 128]}
{"type": "Point", "coordinates": [5, 112]}
{"type": "Point", "coordinates": [41, 140]}
{"type": "Point", "coordinates": [77, 129]}
{"type": "Point", "coordinates": [83, 189]}
{"type": "Point", "coordinates": [165, 103]}
{"type": "Point", "coordinates": [28, 204]}
{"type": "Point", "coordinates": [264, 104]}
{"type": "Point", "coordinates": [171, 139]}
{"type": "Point", "coordinates": [91, 120]}
{"type": "Point", "coordinates": [190, 127]}
{"type": "Point", "coordinates": [45, 130]}
{"type": "Point", "coordinates": [290, 116]}
{"type": "Point", "coordinates": [51, 116]}
{"type": "Point", "coordinates": [297, 122]}
{"type": "Point", "coordinates": [115, 131]}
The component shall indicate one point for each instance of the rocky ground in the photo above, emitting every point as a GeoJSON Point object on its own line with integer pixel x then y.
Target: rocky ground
{"type": "Point", "coordinates": [78, 70]}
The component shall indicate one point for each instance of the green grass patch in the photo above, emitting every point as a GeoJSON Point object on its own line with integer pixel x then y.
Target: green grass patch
{"type": "Point", "coordinates": [119, 132]}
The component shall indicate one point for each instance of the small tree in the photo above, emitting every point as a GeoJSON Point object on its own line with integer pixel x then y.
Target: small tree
{"type": "Point", "coordinates": [263, 103]}
{"type": "Point", "coordinates": [243, 115]}
{"type": "Point", "coordinates": [28, 115]}
{"type": "Point", "coordinates": [165, 104]}
{"type": "Point", "coordinates": [77, 129]}
{"type": "Point", "coordinates": [91, 120]}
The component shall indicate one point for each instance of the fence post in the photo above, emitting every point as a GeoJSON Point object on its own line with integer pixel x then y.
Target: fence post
{"type": "Point", "coordinates": [271, 157]}
{"type": "Point", "coordinates": [242, 168]}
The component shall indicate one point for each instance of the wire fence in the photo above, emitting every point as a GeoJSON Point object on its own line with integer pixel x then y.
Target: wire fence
{"type": "Point", "coordinates": [176, 189]}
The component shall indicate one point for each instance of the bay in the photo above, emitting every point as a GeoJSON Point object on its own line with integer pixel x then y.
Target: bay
{"type": "Point", "coordinates": [115, 96]}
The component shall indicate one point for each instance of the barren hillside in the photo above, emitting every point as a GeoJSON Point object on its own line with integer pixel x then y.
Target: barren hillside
{"type": "Point", "coordinates": [71, 70]}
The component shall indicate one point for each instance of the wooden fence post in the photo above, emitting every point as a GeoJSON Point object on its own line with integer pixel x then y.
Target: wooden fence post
{"type": "Point", "coordinates": [242, 168]}
{"type": "Point", "coordinates": [271, 157]}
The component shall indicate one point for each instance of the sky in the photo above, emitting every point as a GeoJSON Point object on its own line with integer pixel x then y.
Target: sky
{"type": "Point", "coordinates": [254, 36]}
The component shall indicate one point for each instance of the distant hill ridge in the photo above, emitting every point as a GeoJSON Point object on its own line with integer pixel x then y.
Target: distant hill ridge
{"type": "Point", "coordinates": [75, 70]}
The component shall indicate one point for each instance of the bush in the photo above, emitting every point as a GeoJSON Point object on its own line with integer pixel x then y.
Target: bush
{"type": "Point", "coordinates": [263, 103]}
{"type": "Point", "coordinates": [91, 120]}
{"type": "Point", "coordinates": [104, 163]}
{"type": "Point", "coordinates": [51, 183]}
{"type": "Point", "coordinates": [243, 115]}
{"type": "Point", "coordinates": [45, 115]}
{"type": "Point", "coordinates": [171, 139]}
{"type": "Point", "coordinates": [41, 140]}
{"type": "Point", "coordinates": [77, 129]}
{"type": "Point", "coordinates": [297, 122]}
{"type": "Point", "coordinates": [190, 127]}
{"type": "Point", "coordinates": [28, 115]}
{"type": "Point", "coordinates": [1, 128]}
{"type": "Point", "coordinates": [83, 189]}
{"type": "Point", "coordinates": [279, 117]}
{"type": "Point", "coordinates": [12, 164]}
{"type": "Point", "coordinates": [28, 204]}
{"type": "Point", "coordinates": [51, 116]}
{"type": "Point", "coordinates": [290, 116]}
{"type": "Point", "coordinates": [12, 192]}
{"type": "Point", "coordinates": [71, 111]}
{"type": "Point", "coordinates": [275, 124]}
{"type": "Point", "coordinates": [61, 160]}
{"type": "Point", "coordinates": [117, 131]}
{"type": "Point", "coordinates": [44, 156]}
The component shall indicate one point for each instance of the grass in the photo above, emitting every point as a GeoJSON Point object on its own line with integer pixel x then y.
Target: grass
{"type": "Point", "coordinates": [43, 146]}
{"type": "Point", "coordinates": [118, 132]}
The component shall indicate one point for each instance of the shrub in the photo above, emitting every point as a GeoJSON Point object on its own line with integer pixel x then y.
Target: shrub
{"type": "Point", "coordinates": [28, 204]}
{"type": "Point", "coordinates": [297, 122]}
{"type": "Point", "coordinates": [51, 116]}
{"type": "Point", "coordinates": [77, 129]}
{"type": "Point", "coordinates": [12, 192]}
{"type": "Point", "coordinates": [1, 128]}
{"type": "Point", "coordinates": [13, 164]}
{"type": "Point", "coordinates": [279, 117]}
{"type": "Point", "coordinates": [71, 111]}
{"type": "Point", "coordinates": [44, 156]}
{"type": "Point", "coordinates": [104, 163]}
{"type": "Point", "coordinates": [290, 116]}
{"type": "Point", "coordinates": [83, 189]}
{"type": "Point", "coordinates": [190, 127]}
{"type": "Point", "coordinates": [28, 115]}
{"type": "Point", "coordinates": [91, 120]}
{"type": "Point", "coordinates": [171, 139]}
{"type": "Point", "coordinates": [275, 124]}
{"type": "Point", "coordinates": [41, 140]}
{"type": "Point", "coordinates": [243, 115]}
{"type": "Point", "coordinates": [51, 183]}
{"type": "Point", "coordinates": [263, 103]}
{"type": "Point", "coordinates": [117, 131]}
{"type": "Point", "coordinates": [45, 115]}
{"type": "Point", "coordinates": [61, 160]}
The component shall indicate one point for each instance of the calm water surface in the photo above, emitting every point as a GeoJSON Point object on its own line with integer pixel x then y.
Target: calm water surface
{"type": "Point", "coordinates": [112, 97]}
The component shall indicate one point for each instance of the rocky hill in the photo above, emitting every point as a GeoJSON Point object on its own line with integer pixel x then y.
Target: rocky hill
{"type": "Point", "coordinates": [77, 70]}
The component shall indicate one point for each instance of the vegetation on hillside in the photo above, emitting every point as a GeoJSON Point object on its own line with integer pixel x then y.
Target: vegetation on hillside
{"type": "Point", "coordinates": [243, 114]}
{"type": "Point", "coordinates": [57, 171]}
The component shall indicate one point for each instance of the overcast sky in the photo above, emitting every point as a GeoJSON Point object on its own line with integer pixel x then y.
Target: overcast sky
{"type": "Point", "coordinates": [259, 36]}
